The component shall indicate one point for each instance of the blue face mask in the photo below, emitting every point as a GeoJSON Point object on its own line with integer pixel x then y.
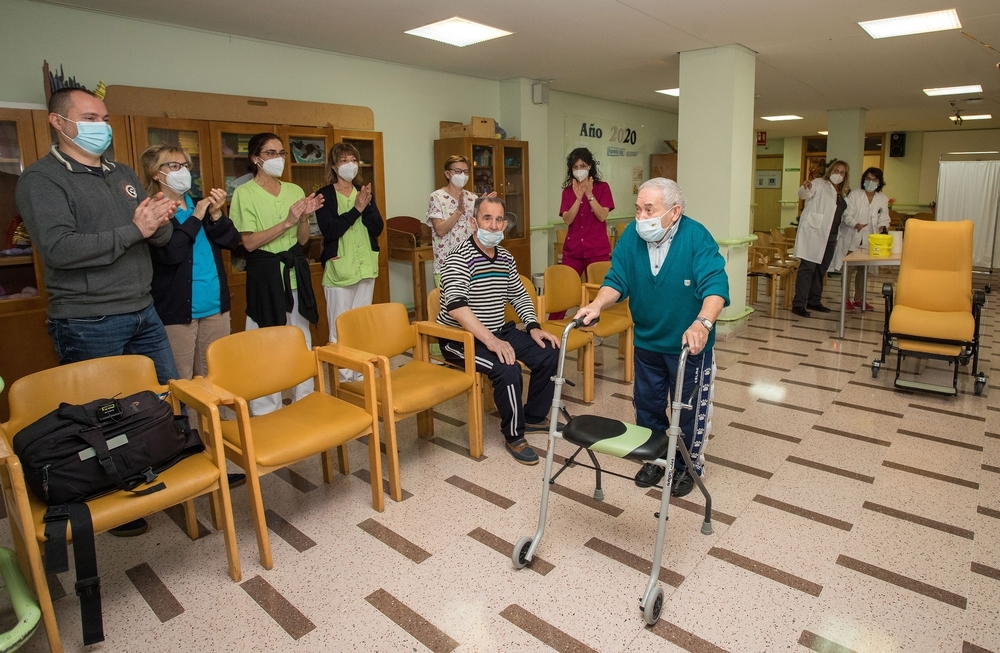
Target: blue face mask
{"type": "Point", "coordinates": [91, 137]}
{"type": "Point", "coordinates": [489, 239]}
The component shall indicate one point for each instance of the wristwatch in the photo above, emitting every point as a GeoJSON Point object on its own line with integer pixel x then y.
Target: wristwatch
{"type": "Point", "coordinates": [705, 322]}
{"type": "Point", "coordinates": [590, 199]}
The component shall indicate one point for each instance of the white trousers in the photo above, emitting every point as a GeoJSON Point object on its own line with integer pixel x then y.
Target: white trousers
{"type": "Point", "coordinates": [342, 299]}
{"type": "Point", "coordinates": [270, 403]}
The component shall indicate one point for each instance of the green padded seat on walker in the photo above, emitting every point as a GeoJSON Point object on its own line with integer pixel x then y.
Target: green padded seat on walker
{"type": "Point", "coordinates": [24, 604]}
{"type": "Point", "coordinates": [616, 438]}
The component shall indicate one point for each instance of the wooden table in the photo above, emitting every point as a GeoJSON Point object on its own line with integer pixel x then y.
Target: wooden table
{"type": "Point", "coordinates": [860, 257]}
{"type": "Point", "coordinates": [401, 249]}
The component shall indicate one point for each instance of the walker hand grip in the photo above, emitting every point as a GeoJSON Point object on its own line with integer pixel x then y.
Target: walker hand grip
{"type": "Point", "coordinates": [576, 324]}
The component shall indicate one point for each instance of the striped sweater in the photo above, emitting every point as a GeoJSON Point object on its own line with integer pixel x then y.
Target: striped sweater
{"type": "Point", "coordinates": [471, 278]}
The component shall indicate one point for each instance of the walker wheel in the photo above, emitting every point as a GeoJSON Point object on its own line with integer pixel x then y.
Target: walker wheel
{"type": "Point", "coordinates": [875, 367]}
{"type": "Point", "coordinates": [653, 606]}
{"type": "Point", "coordinates": [520, 554]}
{"type": "Point", "coordinates": [980, 384]}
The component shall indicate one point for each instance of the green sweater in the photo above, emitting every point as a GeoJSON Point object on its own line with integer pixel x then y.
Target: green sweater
{"type": "Point", "coordinates": [664, 306]}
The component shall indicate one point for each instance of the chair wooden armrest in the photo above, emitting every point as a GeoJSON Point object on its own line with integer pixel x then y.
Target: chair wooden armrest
{"type": "Point", "coordinates": [226, 398]}
{"type": "Point", "coordinates": [427, 330]}
{"type": "Point", "coordinates": [340, 355]}
{"type": "Point", "coordinates": [4, 449]}
{"type": "Point", "coordinates": [590, 291]}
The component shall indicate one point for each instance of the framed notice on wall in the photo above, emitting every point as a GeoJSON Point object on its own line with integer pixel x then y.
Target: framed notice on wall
{"type": "Point", "coordinates": [618, 150]}
{"type": "Point", "coordinates": [768, 179]}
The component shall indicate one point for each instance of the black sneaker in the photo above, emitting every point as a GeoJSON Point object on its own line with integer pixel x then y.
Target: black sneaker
{"type": "Point", "coordinates": [801, 312]}
{"type": "Point", "coordinates": [522, 452]}
{"type": "Point", "coordinates": [131, 529]}
{"type": "Point", "coordinates": [819, 308]}
{"type": "Point", "coordinates": [649, 475]}
{"type": "Point", "coordinates": [236, 480]}
{"type": "Point", "coordinates": [683, 484]}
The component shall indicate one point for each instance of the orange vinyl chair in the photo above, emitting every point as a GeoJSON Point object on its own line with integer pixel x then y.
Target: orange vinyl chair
{"type": "Point", "coordinates": [36, 395]}
{"type": "Point", "coordinates": [626, 347]}
{"type": "Point", "coordinates": [934, 312]}
{"type": "Point", "coordinates": [247, 365]}
{"type": "Point", "coordinates": [563, 290]}
{"type": "Point", "coordinates": [384, 332]}
{"type": "Point", "coordinates": [557, 247]}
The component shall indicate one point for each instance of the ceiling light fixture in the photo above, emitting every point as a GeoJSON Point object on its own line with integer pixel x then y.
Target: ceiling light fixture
{"type": "Point", "coordinates": [676, 92]}
{"type": "Point", "coordinates": [824, 133]}
{"type": "Point", "coordinates": [954, 90]}
{"type": "Point", "coordinates": [458, 32]}
{"type": "Point", "coordinates": [934, 21]}
{"type": "Point", "coordinates": [776, 118]}
{"type": "Point", "coordinates": [958, 117]}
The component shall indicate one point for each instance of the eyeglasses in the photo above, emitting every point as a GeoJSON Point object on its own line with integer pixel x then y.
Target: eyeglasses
{"type": "Point", "coordinates": [173, 166]}
{"type": "Point", "coordinates": [459, 171]}
{"type": "Point", "coordinates": [273, 153]}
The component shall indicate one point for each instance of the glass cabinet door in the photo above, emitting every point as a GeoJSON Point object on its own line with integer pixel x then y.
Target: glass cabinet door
{"type": "Point", "coordinates": [190, 135]}
{"type": "Point", "coordinates": [513, 190]}
{"type": "Point", "coordinates": [483, 175]}
{"type": "Point", "coordinates": [230, 143]}
{"type": "Point", "coordinates": [306, 165]}
{"type": "Point", "coordinates": [19, 279]}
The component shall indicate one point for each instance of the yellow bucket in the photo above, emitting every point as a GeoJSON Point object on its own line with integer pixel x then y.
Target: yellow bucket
{"type": "Point", "coordinates": [880, 245]}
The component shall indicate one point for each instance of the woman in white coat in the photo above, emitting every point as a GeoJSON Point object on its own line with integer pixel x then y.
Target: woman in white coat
{"type": "Point", "coordinates": [867, 213]}
{"type": "Point", "coordinates": [816, 236]}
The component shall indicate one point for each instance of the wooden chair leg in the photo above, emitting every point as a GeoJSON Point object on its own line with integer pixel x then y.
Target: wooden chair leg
{"type": "Point", "coordinates": [753, 290]}
{"type": "Point", "coordinates": [214, 511]}
{"type": "Point", "coordinates": [773, 288]}
{"type": "Point", "coordinates": [190, 519]}
{"type": "Point", "coordinates": [475, 421]}
{"type": "Point", "coordinates": [425, 424]}
{"type": "Point", "coordinates": [629, 338]}
{"type": "Point", "coordinates": [391, 459]}
{"type": "Point", "coordinates": [375, 468]}
{"type": "Point", "coordinates": [587, 356]}
{"type": "Point", "coordinates": [257, 515]}
{"type": "Point", "coordinates": [489, 405]}
{"type": "Point", "coordinates": [326, 462]}
{"type": "Point", "coordinates": [228, 528]}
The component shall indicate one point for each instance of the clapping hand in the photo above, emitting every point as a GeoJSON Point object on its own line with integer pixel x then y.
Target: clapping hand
{"type": "Point", "coordinates": [212, 204]}
{"type": "Point", "coordinates": [363, 198]}
{"type": "Point", "coordinates": [152, 213]}
{"type": "Point", "coordinates": [300, 211]}
{"type": "Point", "coordinates": [808, 185]}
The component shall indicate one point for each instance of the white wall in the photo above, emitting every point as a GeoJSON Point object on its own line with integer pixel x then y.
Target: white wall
{"type": "Point", "coordinates": [407, 102]}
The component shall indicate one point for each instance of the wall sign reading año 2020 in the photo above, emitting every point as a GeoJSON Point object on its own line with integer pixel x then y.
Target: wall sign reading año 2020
{"type": "Point", "coordinates": [615, 148]}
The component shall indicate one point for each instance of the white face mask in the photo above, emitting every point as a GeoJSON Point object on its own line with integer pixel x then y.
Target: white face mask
{"type": "Point", "coordinates": [651, 229]}
{"type": "Point", "coordinates": [836, 178]}
{"type": "Point", "coordinates": [459, 180]}
{"type": "Point", "coordinates": [489, 238]}
{"type": "Point", "coordinates": [273, 167]}
{"type": "Point", "coordinates": [871, 185]}
{"type": "Point", "coordinates": [179, 180]}
{"type": "Point", "coordinates": [348, 171]}
{"type": "Point", "coordinates": [581, 174]}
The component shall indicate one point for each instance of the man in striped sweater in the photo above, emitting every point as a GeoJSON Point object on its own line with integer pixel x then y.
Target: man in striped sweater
{"type": "Point", "coordinates": [478, 279]}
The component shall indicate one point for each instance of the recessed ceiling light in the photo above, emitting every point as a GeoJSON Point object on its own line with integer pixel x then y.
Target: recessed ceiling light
{"type": "Point", "coordinates": [775, 118]}
{"type": "Point", "coordinates": [458, 31]}
{"type": "Point", "coordinates": [676, 92]}
{"type": "Point", "coordinates": [824, 133]}
{"type": "Point", "coordinates": [934, 21]}
{"type": "Point", "coordinates": [981, 116]}
{"type": "Point", "coordinates": [954, 90]}
{"type": "Point", "coordinates": [986, 152]}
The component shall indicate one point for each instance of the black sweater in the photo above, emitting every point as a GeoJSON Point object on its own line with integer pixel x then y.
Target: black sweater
{"type": "Point", "coordinates": [173, 264]}
{"type": "Point", "coordinates": [333, 225]}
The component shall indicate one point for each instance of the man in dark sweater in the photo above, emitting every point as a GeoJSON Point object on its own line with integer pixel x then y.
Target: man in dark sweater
{"type": "Point", "coordinates": [670, 268]}
{"type": "Point", "coordinates": [477, 281]}
{"type": "Point", "coordinates": [90, 220]}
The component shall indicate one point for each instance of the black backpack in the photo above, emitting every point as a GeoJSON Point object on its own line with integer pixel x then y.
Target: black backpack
{"type": "Point", "coordinates": [76, 453]}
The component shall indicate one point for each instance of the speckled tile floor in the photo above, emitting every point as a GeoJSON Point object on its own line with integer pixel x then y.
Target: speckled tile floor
{"type": "Point", "coordinates": [849, 517]}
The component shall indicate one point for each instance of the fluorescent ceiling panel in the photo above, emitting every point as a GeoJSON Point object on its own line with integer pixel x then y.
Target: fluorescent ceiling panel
{"type": "Point", "coordinates": [458, 32]}
{"type": "Point", "coordinates": [676, 92]}
{"type": "Point", "coordinates": [934, 21]}
{"type": "Point", "coordinates": [824, 133]}
{"type": "Point", "coordinates": [981, 116]}
{"type": "Point", "coordinates": [954, 90]}
{"type": "Point", "coordinates": [776, 118]}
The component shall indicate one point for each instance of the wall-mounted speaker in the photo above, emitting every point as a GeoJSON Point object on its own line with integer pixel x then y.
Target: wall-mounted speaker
{"type": "Point", "coordinates": [897, 144]}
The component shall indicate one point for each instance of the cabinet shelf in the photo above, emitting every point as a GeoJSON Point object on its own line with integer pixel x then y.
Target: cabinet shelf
{"type": "Point", "coordinates": [7, 261]}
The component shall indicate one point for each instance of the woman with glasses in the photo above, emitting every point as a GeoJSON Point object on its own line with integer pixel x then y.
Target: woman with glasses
{"type": "Point", "coordinates": [351, 224]}
{"type": "Point", "coordinates": [449, 211]}
{"type": "Point", "coordinates": [867, 213]}
{"type": "Point", "coordinates": [273, 218]}
{"type": "Point", "coordinates": [189, 286]}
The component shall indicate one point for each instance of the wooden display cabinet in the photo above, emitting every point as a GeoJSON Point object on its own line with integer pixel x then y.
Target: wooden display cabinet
{"type": "Point", "coordinates": [193, 136]}
{"type": "Point", "coordinates": [25, 346]}
{"type": "Point", "coordinates": [501, 166]}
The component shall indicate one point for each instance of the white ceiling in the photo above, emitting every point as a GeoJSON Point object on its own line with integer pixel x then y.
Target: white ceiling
{"type": "Point", "coordinates": [812, 56]}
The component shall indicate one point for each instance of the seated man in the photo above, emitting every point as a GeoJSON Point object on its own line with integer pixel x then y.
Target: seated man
{"type": "Point", "coordinates": [478, 279]}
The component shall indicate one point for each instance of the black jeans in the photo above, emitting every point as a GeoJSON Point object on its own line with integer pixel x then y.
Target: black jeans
{"type": "Point", "coordinates": [507, 381]}
{"type": "Point", "coordinates": [809, 279]}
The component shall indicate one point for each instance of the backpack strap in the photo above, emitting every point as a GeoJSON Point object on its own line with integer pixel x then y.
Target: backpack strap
{"type": "Point", "coordinates": [88, 583]}
{"type": "Point", "coordinates": [95, 439]}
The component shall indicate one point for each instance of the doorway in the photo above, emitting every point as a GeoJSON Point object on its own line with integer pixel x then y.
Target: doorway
{"type": "Point", "coordinates": [767, 212]}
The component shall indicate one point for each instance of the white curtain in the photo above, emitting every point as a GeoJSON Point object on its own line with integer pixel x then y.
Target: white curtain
{"type": "Point", "coordinates": [970, 190]}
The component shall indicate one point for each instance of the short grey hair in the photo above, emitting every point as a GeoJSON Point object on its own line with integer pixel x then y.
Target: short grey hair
{"type": "Point", "coordinates": [670, 192]}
